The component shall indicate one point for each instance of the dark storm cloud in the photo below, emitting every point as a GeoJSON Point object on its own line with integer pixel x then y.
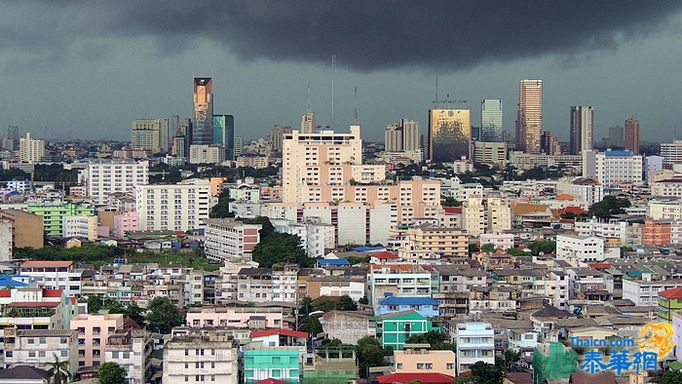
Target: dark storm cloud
{"type": "Point", "coordinates": [365, 35]}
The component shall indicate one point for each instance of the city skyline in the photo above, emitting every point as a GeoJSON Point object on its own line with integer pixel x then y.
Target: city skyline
{"type": "Point", "coordinates": [126, 73]}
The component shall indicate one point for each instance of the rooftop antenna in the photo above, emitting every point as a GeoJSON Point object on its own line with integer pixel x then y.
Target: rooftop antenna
{"type": "Point", "coordinates": [355, 100]}
{"type": "Point", "coordinates": [333, 71]}
{"type": "Point", "coordinates": [308, 100]}
{"type": "Point", "coordinates": [436, 100]}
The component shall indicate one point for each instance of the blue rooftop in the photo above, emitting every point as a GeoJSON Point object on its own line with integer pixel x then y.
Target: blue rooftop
{"type": "Point", "coordinates": [368, 249]}
{"type": "Point", "coordinates": [395, 300]}
{"type": "Point", "coordinates": [618, 153]}
{"type": "Point", "coordinates": [8, 281]}
{"type": "Point", "coordinates": [333, 262]}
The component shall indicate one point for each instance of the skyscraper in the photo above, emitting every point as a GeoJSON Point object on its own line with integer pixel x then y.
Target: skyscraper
{"type": "Point", "coordinates": [616, 137]}
{"type": "Point", "coordinates": [582, 128]}
{"type": "Point", "coordinates": [223, 133]}
{"type": "Point", "coordinates": [549, 144]}
{"type": "Point", "coordinates": [13, 134]}
{"type": "Point", "coordinates": [631, 133]}
{"type": "Point", "coordinates": [146, 134]}
{"type": "Point", "coordinates": [308, 122]}
{"type": "Point", "coordinates": [238, 146]}
{"type": "Point", "coordinates": [529, 116]}
{"type": "Point", "coordinates": [31, 150]}
{"type": "Point", "coordinates": [202, 132]}
{"type": "Point", "coordinates": [402, 136]}
{"type": "Point", "coordinates": [449, 135]}
{"type": "Point", "coordinates": [491, 120]}
{"type": "Point", "coordinates": [393, 138]}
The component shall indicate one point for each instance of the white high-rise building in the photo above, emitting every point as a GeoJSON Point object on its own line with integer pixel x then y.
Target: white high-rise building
{"type": "Point", "coordinates": [104, 177]}
{"type": "Point", "coordinates": [308, 122]}
{"type": "Point", "coordinates": [582, 128]}
{"type": "Point", "coordinates": [173, 207]}
{"type": "Point", "coordinates": [196, 355]}
{"type": "Point", "coordinates": [612, 168]}
{"type": "Point", "coordinates": [80, 226]}
{"type": "Point", "coordinates": [206, 154]}
{"type": "Point", "coordinates": [393, 138]}
{"type": "Point", "coordinates": [151, 134]}
{"type": "Point", "coordinates": [31, 150]}
{"type": "Point", "coordinates": [475, 342]}
{"type": "Point", "coordinates": [230, 240]}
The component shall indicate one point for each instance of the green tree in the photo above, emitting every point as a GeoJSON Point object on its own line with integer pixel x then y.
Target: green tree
{"type": "Point", "coordinates": [671, 377]}
{"type": "Point", "coordinates": [438, 340]}
{"type": "Point", "coordinates": [448, 201]}
{"type": "Point", "coordinates": [111, 373]}
{"type": "Point", "coordinates": [163, 315]}
{"type": "Point", "coordinates": [364, 300]}
{"type": "Point", "coordinates": [306, 306]}
{"type": "Point", "coordinates": [544, 246]}
{"type": "Point", "coordinates": [58, 371]}
{"type": "Point", "coordinates": [222, 209]}
{"type": "Point", "coordinates": [488, 248]}
{"type": "Point", "coordinates": [346, 303]}
{"type": "Point", "coordinates": [325, 304]}
{"type": "Point", "coordinates": [484, 373]}
{"type": "Point", "coordinates": [310, 324]}
{"type": "Point", "coordinates": [609, 206]}
{"type": "Point", "coordinates": [279, 248]}
{"type": "Point", "coordinates": [516, 252]}
{"type": "Point", "coordinates": [369, 354]}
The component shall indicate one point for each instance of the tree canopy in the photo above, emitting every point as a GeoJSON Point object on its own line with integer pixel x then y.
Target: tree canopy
{"type": "Point", "coordinates": [370, 353]}
{"type": "Point", "coordinates": [671, 377]}
{"type": "Point", "coordinates": [111, 373]}
{"type": "Point", "coordinates": [609, 206]}
{"type": "Point", "coordinates": [163, 315]}
{"type": "Point", "coordinates": [278, 248]}
{"type": "Point", "coordinates": [437, 340]}
{"type": "Point", "coordinates": [310, 324]}
{"type": "Point", "coordinates": [222, 209]}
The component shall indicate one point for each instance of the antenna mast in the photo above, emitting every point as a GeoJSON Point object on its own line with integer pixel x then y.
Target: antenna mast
{"type": "Point", "coordinates": [308, 99]}
{"type": "Point", "coordinates": [355, 98]}
{"type": "Point", "coordinates": [333, 72]}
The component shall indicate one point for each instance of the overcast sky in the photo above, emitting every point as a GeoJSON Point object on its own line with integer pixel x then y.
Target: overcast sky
{"type": "Point", "coordinates": [86, 69]}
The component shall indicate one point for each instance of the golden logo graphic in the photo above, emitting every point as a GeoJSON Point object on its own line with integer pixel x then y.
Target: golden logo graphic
{"type": "Point", "coordinates": [657, 337]}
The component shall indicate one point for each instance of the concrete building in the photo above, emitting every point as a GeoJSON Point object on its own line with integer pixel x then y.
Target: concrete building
{"type": "Point", "coordinates": [252, 160]}
{"type": "Point", "coordinates": [403, 280]}
{"type": "Point", "coordinates": [643, 291]}
{"type": "Point", "coordinates": [173, 207]}
{"type": "Point", "coordinates": [522, 160]}
{"type": "Point", "coordinates": [494, 153]}
{"type": "Point", "coordinates": [629, 234]}
{"type": "Point", "coordinates": [238, 317]}
{"type": "Point", "coordinates": [336, 286]}
{"type": "Point", "coordinates": [612, 168]}
{"type": "Point", "coordinates": [308, 122]}
{"type": "Point", "coordinates": [672, 152]}
{"type": "Point", "coordinates": [426, 240]}
{"type": "Point", "coordinates": [425, 306]}
{"type": "Point", "coordinates": [230, 240]}
{"type": "Point", "coordinates": [529, 116]}
{"type": "Point", "coordinates": [206, 154]}
{"type": "Point", "coordinates": [80, 226]}
{"type": "Point", "coordinates": [6, 245]}
{"type": "Point", "coordinates": [394, 329]}
{"type": "Point", "coordinates": [201, 355]}
{"type": "Point", "coordinates": [665, 210]}
{"type": "Point", "coordinates": [420, 358]}
{"type": "Point", "coordinates": [657, 233]}
{"type": "Point", "coordinates": [579, 248]}
{"type": "Point", "coordinates": [582, 129]}
{"type": "Point", "coordinates": [349, 327]}
{"type": "Point", "coordinates": [39, 347]}
{"type": "Point", "coordinates": [150, 135]}
{"type": "Point", "coordinates": [587, 190]}
{"type": "Point", "coordinates": [31, 150]}
{"type": "Point", "coordinates": [131, 350]}
{"type": "Point", "coordinates": [402, 136]}
{"type": "Point", "coordinates": [125, 222]}
{"type": "Point", "coordinates": [53, 215]}
{"type": "Point", "coordinates": [93, 336]}
{"type": "Point", "coordinates": [276, 137]}
{"type": "Point", "coordinates": [260, 285]}
{"type": "Point", "coordinates": [105, 177]}
{"type": "Point", "coordinates": [475, 342]}
{"type": "Point", "coordinates": [449, 135]}
{"type": "Point", "coordinates": [631, 135]}
{"type": "Point", "coordinates": [316, 237]}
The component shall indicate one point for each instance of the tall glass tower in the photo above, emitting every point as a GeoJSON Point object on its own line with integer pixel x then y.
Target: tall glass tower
{"type": "Point", "coordinates": [223, 133]}
{"type": "Point", "coordinates": [491, 120]}
{"type": "Point", "coordinates": [202, 131]}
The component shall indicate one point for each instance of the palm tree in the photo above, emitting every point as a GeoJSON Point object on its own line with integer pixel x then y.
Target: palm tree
{"type": "Point", "coordinates": [59, 371]}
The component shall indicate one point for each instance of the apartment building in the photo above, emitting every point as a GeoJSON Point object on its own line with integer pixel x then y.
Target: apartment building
{"type": "Point", "coordinates": [39, 347]}
{"type": "Point", "coordinates": [239, 317]}
{"type": "Point", "coordinates": [398, 279]}
{"type": "Point", "coordinates": [229, 239]}
{"type": "Point", "coordinates": [629, 234]}
{"type": "Point", "coordinates": [486, 215]}
{"type": "Point", "coordinates": [587, 190]}
{"type": "Point", "coordinates": [201, 355]}
{"type": "Point", "coordinates": [475, 342]}
{"type": "Point", "coordinates": [54, 275]}
{"type": "Point", "coordinates": [664, 210]}
{"type": "Point", "coordinates": [657, 233]}
{"type": "Point", "coordinates": [417, 358]}
{"type": "Point", "coordinates": [173, 207]}
{"type": "Point", "coordinates": [27, 228]}
{"type": "Point", "coordinates": [275, 353]}
{"type": "Point", "coordinates": [125, 222]}
{"type": "Point", "coordinates": [93, 336]}
{"type": "Point", "coordinates": [316, 237]}
{"type": "Point", "coordinates": [131, 350]}
{"type": "Point", "coordinates": [260, 285]}
{"type": "Point", "coordinates": [53, 215]}
{"type": "Point", "coordinates": [644, 290]}
{"type": "Point", "coordinates": [106, 177]}
{"type": "Point", "coordinates": [80, 226]}
{"type": "Point", "coordinates": [206, 154]}
{"type": "Point", "coordinates": [612, 168]}
{"type": "Point", "coordinates": [427, 240]}
{"type": "Point", "coordinates": [579, 248]}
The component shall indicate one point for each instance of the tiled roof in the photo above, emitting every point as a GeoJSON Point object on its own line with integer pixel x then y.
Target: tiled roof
{"type": "Point", "coordinates": [424, 378]}
{"type": "Point", "coordinates": [673, 293]}
{"type": "Point", "coordinates": [285, 332]}
{"type": "Point", "coordinates": [37, 263]}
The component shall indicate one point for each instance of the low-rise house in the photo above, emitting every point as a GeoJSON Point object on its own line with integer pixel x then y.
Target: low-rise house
{"type": "Point", "coordinates": [474, 342]}
{"type": "Point", "coordinates": [394, 329]}
{"type": "Point", "coordinates": [425, 306]}
{"type": "Point", "coordinates": [420, 358]}
{"type": "Point", "coordinates": [40, 347]}
{"type": "Point", "coordinates": [349, 327]}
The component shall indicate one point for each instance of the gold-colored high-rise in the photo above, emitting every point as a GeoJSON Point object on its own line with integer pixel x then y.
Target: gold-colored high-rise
{"type": "Point", "coordinates": [449, 135]}
{"type": "Point", "coordinates": [529, 116]}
